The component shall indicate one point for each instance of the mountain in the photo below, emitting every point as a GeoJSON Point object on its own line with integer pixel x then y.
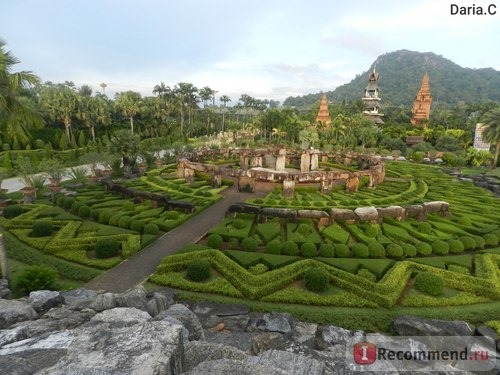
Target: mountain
{"type": "Point", "coordinates": [400, 77]}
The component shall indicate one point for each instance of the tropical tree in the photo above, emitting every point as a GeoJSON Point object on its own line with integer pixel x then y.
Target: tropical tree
{"type": "Point", "coordinates": [16, 115]}
{"type": "Point", "coordinates": [492, 131]}
{"type": "Point", "coordinates": [125, 144]}
{"type": "Point", "coordinates": [129, 104]}
{"type": "Point", "coordinates": [224, 99]}
{"type": "Point", "coordinates": [206, 94]}
{"type": "Point", "coordinates": [92, 111]}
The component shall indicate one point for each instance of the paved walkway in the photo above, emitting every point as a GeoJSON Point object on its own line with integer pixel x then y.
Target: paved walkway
{"type": "Point", "coordinates": [138, 267]}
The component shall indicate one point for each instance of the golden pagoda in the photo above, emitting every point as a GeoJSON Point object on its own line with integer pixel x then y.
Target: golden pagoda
{"type": "Point", "coordinates": [323, 114]}
{"type": "Point", "coordinates": [422, 104]}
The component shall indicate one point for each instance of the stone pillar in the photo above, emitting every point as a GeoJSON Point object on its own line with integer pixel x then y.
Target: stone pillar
{"type": "Point", "coordinates": [314, 160]}
{"type": "Point", "coordinates": [305, 162]}
{"type": "Point", "coordinates": [246, 184]}
{"type": "Point", "coordinates": [189, 175]}
{"type": "Point", "coordinates": [181, 166]}
{"type": "Point", "coordinates": [352, 184]}
{"type": "Point", "coordinates": [257, 161]}
{"type": "Point", "coordinates": [244, 161]}
{"type": "Point", "coordinates": [281, 160]}
{"type": "Point", "coordinates": [372, 183]}
{"type": "Point", "coordinates": [326, 185]}
{"type": "Point", "coordinates": [216, 181]}
{"type": "Point", "coordinates": [3, 259]}
{"type": "Point", "coordinates": [289, 189]}
{"type": "Point", "coordinates": [324, 158]}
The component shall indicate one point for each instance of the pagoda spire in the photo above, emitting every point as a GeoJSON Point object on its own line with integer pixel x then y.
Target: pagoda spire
{"type": "Point", "coordinates": [422, 104]}
{"type": "Point", "coordinates": [323, 114]}
{"type": "Point", "coordinates": [371, 98]}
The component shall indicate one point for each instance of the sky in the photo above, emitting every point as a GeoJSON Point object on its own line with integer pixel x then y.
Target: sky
{"type": "Point", "coordinates": [267, 49]}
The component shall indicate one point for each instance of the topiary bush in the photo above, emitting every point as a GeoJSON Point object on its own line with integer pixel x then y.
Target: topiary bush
{"type": "Point", "coordinates": [440, 247]}
{"type": "Point", "coordinates": [199, 270]}
{"type": "Point", "coordinates": [238, 224]}
{"type": "Point", "coordinates": [104, 216]}
{"type": "Point", "coordinates": [409, 250]}
{"type": "Point", "coordinates": [249, 244]}
{"type": "Point", "coordinates": [125, 222]}
{"type": "Point", "coordinates": [480, 242]}
{"type": "Point", "coordinates": [465, 221]}
{"type": "Point", "coordinates": [76, 206]}
{"type": "Point", "coordinates": [68, 202]}
{"type": "Point", "coordinates": [394, 251]}
{"type": "Point", "coordinates": [304, 229]}
{"type": "Point", "coordinates": [290, 248]}
{"type": "Point", "coordinates": [490, 239]}
{"type": "Point", "coordinates": [137, 225]}
{"type": "Point", "coordinates": [115, 219]}
{"type": "Point", "coordinates": [273, 247]}
{"type": "Point", "coordinates": [84, 211]}
{"type": "Point", "coordinates": [12, 211]}
{"type": "Point", "coordinates": [360, 250]}
{"type": "Point", "coordinates": [468, 242]}
{"type": "Point", "coordinates": [60, 200]}
{"type": "Point", "coordinates": [429, 283]}
{"type": "Point", "coordinates": [423, 248]}
{"type": "Point", "coordinates": [316, 279]}
{"type": "Point", "coordinates": [425, 228]}
{"type": "Point", "coordinates": [106, 248]}
{"type": "Point", "coordinates": [372, 231]}
{"type": "Point", "coordinates": [172, 215]}
{"type": "Point", "coordinates": [376, 250]}
{"type": "Point", "coordinates": [151, 228]}
{"type": "Point", "coordinates": [35, 278]}
{"type": "Point", "coordinates": [233, 243]}
{"type": "Point", "coordinates": [41, 228]}
{"type": "Point", "coordinates": [326, 250]}
{"type": "Point", "coordinates": [258, 269]}
{"type": "Point", "coordinates": [366, 274]}
{"type": "Point", "coordinates": [455, 246]}
{"type": "Point", "coordinates": [308, 250]}
{"type": "Point", "coordinates": [342, 250]}
{"type": "Point", "coordinates": [214, 241]}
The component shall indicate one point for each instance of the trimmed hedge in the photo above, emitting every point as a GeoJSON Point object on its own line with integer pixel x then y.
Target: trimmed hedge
{"type": "Point", "coordinates": [125, 222]}
{"type": "Point", "coordinates": [409, 250]}
{"type": "Point", "coordinates": [138, 226]}
{"type": "Point", "coordinates": [106, 248]}
{"type": "Point", "coordinates": [84, 211]}
{"type": "Point", "coordinates": [199, 270]}
{"type": "Point", "coordinates": [326, 250]}
{"type": "Point", "coordinates": [468, 243]}
{"type": "Point", "coordinates": [394, 251]}
{"type": "Point", "coordinates": [316, 279]}
{"type": "Point", "coordinates": [360, 250]}
{"type": "Point", "coordinates": [151, 228]}
{"type": "Point", "coordinates": [274, 247]}
{"type": "Point", "coordinates": [429, 283]}
{"type": "Point", "coordinates": [42, 228]}
{"type": "Point", "coordinates": [440, 247]}
{"type": "Point", "coordinates": [341, 250]}
{"type": "Point", "coordinates": [423, 248]}
{"type": "Point", "coordinates": [12, 211]}
{"type": "Point", "coordinates": [249, 244]}
{"type": "Point", "coordinates": [290, 248]}
{"type": "Point", "coordinates": [456, 247]}
{"type": "Point", "coordinates": [308, 250]}
{"type": "Point", "coordinates": [214, 241]}
{"type": "Point", "coordinates": [376, 250]}
{"type": "Point", "coordinates": [490, 239]}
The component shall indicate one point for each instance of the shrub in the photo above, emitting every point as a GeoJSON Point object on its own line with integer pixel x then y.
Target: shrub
{"type": "Point", "coordinates": [365, 274]}
{"type": "Point", "coordinates": [76, 206]}
{"type": "Point", "coordinates": [84, 211]}
{"type": "Point", "coordinates": [35, 278]}
{"type": "Point", "coordinates": [172, 215]}
{"type": "Point", "coordinates": [115, 218]}
{"type": "Point", "coordinates": [290, 248]}
{"type": "Point", "coordinates": [376, 250]}
{"type": "Point", "coordinates": [460, 269]}
{"type": "Point", "coordinates": [41, 228]}
{"type": "Point", "coordinates": [425, 228]}
{"type": "Point", "coordinates": [440, 247]}
{"type": "Point", "coordinates": [372, 231]}
{"type": "Point", "coordinates": [394, 251]}
{"type": "Point", "coordinates": [316, 279]}
{"type": "Point", "coordinates": [490, 239]}
{"type": "Point", "coordinates": [465, 221]}
{"type": "Point", "coordinates": [214, 241]}
{"type": "Point", "coordinates": [455, 246]}
{"type": "Point", "coordinates": [125, 222]}
{"type": "Point", "coordinates": [480, 242]}
{"type": "Point", "coordinates": [468, 242]}
{"type": "Point", "coordinates": [238, 224]}
{"type": "Point", "coordinates": [409, 250]}
{"type": "Point", "coordinates": [258, 269]}
{"type": "Point", "coordinates": [429, 283]}
{"type": "Point", "coordinates": [341, 250]}
{"type": "Point", "coordinates": [249, 244]}
{"type": "Point", "coordinates": [423, 248]}
{"type": "Point", "coordinates": [12, 211]}
{"type": "Point", "coordinates": [106, 248]}
{"type": "Point", "coordinates": [360, 250]}
{"type": "Point", "coordinates": [137, 225]}
{"type": "Point", "coordinates": [60, 200]}
{"type": "Point", "coordinates": [326, 250]}
{"type": "Point", "coordinates": [308, 250]}
{"type": "Point", "coordinates": [304, 229]}
{"type": "Point", "coordinates": [104, 216]}
{"type": "Point", "coordinates": [199, 270]}
{"type": "Point", "coordinates": [68, 202]}
{"type": "Point", "coordinates": [273, 247]}
{"type": "Point", "coordinates": [151, 228]}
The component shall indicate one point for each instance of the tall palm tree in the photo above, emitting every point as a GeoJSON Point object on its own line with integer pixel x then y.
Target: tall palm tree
{"type": "Point", "coordinates": [15, 113]}
{"type": "Point", "coordinates": [129, 103]}
{"type": "Point", "coordinates": [491, 133]}
{"type": "Point", "coordinates": [224, 99]}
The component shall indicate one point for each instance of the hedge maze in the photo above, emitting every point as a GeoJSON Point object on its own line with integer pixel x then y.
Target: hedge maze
{"type": "Point", "coordinates": [438, 262]}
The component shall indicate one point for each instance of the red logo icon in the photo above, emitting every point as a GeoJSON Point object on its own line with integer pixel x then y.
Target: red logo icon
{"type": "Point", "coordinates": [365, 353]}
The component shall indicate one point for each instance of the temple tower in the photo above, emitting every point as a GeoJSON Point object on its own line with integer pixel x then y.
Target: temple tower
{"type": "Point", "coordinates": [323, 114]}
{"type": "Point", "coordinates": [371, 99]}
{"type": "Point", "coordinates": [422, 104]}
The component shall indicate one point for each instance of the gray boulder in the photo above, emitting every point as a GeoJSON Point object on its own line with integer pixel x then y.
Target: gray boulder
{"type": "Point", "coordinates": [159, 302]}
{"type": "Point", "coordinates": [367, 213]}
{"type": "Point", "coordinates": [304, 333]}
{"type": "Point", "coordinates": [331, 335]}
{"type": "Point", "coordinates": [5, 292]}
{"type": "Point", "coordinates": [239, 340]}
{"type": "Point", "coordinates": [121, 317]}
{"type": "Point", "coordinates": [343, 214]}
{"type": "Point", "coordinates": [232, 367]}
{"type": "Point", "coordinates": [264, 341]}
{"type": "Point", "coordinates": [43, 300]}
{"type": "Point", "coordinates": [103, 302]}
{"type": "Point", "coordinates": [78, 299]}
{"type": "Point", "coordinates": [292, 364]}
{"type": "Point", "coordinates": [187, 318]}
{"type": "Point", "coordinates": [13, 311]}
{"type": "Point", "coordinates": [406, 325]}
{"type": "Point", "coordinates": [273, 322]}
{"type": "Point", "coordinates": [233, 317]}
{"type": "Point", "coordinates": [196, 352]}
{"type": "Point", "coordinates": [133, 298]}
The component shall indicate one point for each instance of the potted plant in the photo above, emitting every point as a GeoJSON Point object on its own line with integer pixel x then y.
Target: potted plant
{"type": "Point", "coordinates": [26, 171]}
{"type": "Point", "coordinates": [54, 170]}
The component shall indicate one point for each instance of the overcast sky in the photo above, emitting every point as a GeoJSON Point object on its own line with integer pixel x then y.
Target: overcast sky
{"type": "Point", "coordinates": [268, 49]}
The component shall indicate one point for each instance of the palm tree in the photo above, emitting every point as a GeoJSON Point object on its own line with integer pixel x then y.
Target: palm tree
{"type": "Point", "coordinates": [224, 99]}
{"type": "Point", "coordinates": [491, 133]}
{"type": "Point", "coordinates": [128, 103]}
{"type": "Point", "coordinates": [15, 113]}
{"type": "Point", "coordinates": [205, 95]}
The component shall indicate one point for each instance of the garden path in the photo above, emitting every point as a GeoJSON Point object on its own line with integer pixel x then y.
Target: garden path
{"type": "Point", "coordinates": [136, 269]}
